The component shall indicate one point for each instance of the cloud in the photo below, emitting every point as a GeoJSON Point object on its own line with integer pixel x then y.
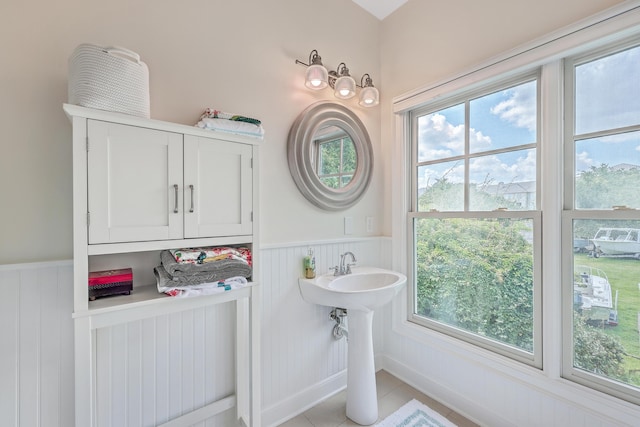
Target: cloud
{"type": "Point", "coordinates": [439, 139]}
{"type": "Point", "coordinates": [429, 175]}
{"type": "Point", "coordinates": [499, 168]}
{"type": "Point", "coordinates": [584, 161]}
{"type": "Point", "coordinates": [519, 108]}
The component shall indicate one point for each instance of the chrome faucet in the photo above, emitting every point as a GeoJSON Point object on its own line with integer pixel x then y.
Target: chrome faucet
{"type": "Point", "coordinates": [342, 268]}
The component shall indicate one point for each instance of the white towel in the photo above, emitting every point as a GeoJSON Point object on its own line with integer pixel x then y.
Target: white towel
{"type": "Point", "coordinates": [224, 125]}
{"type": "Point", "coordinates": [205, 288]}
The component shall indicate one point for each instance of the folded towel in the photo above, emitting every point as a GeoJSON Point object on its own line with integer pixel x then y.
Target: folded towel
{"type": "Point", "coordinates": [205, 288]}
{"type": "Point", "coordinates": [213, 253]}
{"type": "Point", "coordinates": [237, 127]}
{"type": "Point", "coordinates": [210, 113]}
{"type": "Point", "coordinates": [180, 272]}
{"type": "Point", "coordinates": [229, 269]}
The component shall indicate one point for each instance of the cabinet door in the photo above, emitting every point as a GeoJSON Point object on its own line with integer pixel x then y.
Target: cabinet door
{"type": "Point", "coordinates": [218, 187]}
{"type": "Point", "coordinates": [135, 183]}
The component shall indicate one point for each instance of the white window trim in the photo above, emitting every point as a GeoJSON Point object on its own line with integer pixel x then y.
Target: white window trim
{"type": "Point", "coordinates": [534, 357]}
{"type": "Point", "coordinates": [571, 213]}
{"type": "Point", "coordinates": [613, 24]}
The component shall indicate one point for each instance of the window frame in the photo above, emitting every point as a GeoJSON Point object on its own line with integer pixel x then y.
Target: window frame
{"type": "Point", "coordinates": [570, 213]}
{"type": "Point", "coordinates": [465, 97]}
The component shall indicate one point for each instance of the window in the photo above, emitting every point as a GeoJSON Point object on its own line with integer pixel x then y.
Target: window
{"type": "Point", "coordinates": [476, 225]}
{"type": "Point", "coordinates": [335, 158]}
{"type": "Point", "coordinates": [602, 221]}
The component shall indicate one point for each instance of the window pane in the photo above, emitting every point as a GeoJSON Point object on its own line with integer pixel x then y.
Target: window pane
{"type": "Point", "coordinates": [606, 298]}
{"type": "Point", "coordinates": [503, 119]}
{"type": "Point", "coordinates": [331, 181]}
{"type": "Point", "coordinates": [505, 180]}
{"type": "Point", "coordinates": [608, 172]}
{"type": "Point", "coordinates": [441, 134]}
{"type": "Point", "coordinates": [441, 187]}
{"type": "Point", "coordinates": [349, 159]}
{"type": "Point", "coordinates": [329, 162]}
{"type": "Point", "coordinates": [477, 275]}
{"type": "Point", "coordinates": [607, 92]}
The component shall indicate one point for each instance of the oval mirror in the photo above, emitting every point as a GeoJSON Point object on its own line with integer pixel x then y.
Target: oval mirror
{"type": "Point", "coordinates": [330, 155]}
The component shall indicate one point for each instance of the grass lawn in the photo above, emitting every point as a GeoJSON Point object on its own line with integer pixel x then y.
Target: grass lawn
{"type": "Point", "coordinates": [624, 276]}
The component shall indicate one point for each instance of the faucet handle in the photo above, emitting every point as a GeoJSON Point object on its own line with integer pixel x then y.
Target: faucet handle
{"type": "Point", "coordinates": [336, 270]}
{"type": "Point", "coordinates": [348, 269]}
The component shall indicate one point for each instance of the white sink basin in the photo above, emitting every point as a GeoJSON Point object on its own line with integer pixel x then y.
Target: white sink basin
{"type": "Point", "coordinates": [364, 289]}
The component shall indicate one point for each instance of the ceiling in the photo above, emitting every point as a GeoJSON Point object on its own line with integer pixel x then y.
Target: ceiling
{"type": "Point", "coordinates": [380, 8]}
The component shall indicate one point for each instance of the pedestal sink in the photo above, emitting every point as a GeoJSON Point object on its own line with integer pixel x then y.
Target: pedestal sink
{"type": "Point", "coordinates": [360, 292]}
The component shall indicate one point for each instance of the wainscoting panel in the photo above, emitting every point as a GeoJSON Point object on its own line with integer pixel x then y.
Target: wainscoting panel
{"type": "Point", "coordinates": [301, 361]}
{"type": "Point", "coordinates": [151, 371]}
{"type": "Point", "coordinates": [36, 355]}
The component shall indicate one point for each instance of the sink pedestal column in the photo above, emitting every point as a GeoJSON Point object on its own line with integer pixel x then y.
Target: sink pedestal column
{"type": "Point", "coordinates": [362, 397]}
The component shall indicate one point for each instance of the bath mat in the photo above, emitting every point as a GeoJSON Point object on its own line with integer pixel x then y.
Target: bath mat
{"type": "Point", "coordinates": [414, 414]}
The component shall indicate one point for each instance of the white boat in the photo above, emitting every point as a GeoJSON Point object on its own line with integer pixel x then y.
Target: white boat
{"type": "Point", "coordinates": [617, 241]}
{"type": "Point", "coordinates": [592, 295]}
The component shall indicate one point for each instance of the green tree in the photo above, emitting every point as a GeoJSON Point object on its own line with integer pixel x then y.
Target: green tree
{"type": "Point", "coordinates": [477, 275]}
{"type": "Point", "coordinates": [595, 351]}
{"type": "Point", "coordinates": [603, 187]}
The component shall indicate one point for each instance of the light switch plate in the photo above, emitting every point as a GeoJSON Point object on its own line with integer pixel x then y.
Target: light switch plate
{"type": "Point", "coordinates": [348, 225]}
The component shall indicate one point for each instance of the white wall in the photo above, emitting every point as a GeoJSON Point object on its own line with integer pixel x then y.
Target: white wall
{"type": "Point", "coordinates": [236, 56]}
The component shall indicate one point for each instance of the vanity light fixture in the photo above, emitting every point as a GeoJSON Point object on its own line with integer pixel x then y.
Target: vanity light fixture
{"type": "Point", "coordinates": [344, 86]}
{"type": "Point", "coordinates": [369, 96]}
{"type": "Point", "coordinates": [317, 77]}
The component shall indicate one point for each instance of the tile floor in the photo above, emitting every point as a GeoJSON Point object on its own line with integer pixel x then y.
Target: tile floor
{"type": "Point", "coordinates": [392, 394]}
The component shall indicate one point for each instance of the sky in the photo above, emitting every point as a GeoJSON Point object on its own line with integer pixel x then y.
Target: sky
{"type": "Point", "coordinates": [607, 97]}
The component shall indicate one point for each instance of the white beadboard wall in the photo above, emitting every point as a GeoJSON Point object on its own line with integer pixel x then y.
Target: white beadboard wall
{"type": "Point", "coordinates": [36, 355]}
{"type": "Point", "coordinates": [153, 370]}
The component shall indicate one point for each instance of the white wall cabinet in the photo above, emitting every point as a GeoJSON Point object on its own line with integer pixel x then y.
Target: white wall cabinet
{"type": "Point", "coordinates": [146, 184]}
{"type": "Point", "coordinates": [141, 186]}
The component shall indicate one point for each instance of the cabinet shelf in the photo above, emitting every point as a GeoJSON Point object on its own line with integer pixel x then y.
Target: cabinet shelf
{"type": "Point", "coordinates": [130, 247]}
{"type": "Point", "coordinates": [146, 301]}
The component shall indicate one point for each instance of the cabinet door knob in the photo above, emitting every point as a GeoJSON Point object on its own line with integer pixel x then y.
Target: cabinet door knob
{"type": "Point", "coordinates": [175, 189]}
{"type": "Point", "coordinates": [191, 188]}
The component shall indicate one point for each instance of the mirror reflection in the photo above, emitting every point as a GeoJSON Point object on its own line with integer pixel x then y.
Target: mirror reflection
{"type": "Point", "coordinates": [334, 156]}
{"type": "Point", "coordinates": [330, 155]}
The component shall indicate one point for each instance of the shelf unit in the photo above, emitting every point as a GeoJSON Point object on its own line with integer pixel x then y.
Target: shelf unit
{"type": "Point", "coordinates": [143, 254]}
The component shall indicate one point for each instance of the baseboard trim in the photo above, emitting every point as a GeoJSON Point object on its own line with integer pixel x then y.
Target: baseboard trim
{"type": "Point", "coordinates": [449, 397]}
{"type": "Point", "coordinates": [286, 409]}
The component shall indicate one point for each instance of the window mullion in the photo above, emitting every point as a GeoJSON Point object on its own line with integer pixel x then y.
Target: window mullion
{"type": "Point", "coordinates": [467, 105]}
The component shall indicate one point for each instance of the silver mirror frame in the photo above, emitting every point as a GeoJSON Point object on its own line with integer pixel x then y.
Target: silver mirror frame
{"type": "Point", "coordinates": [300, 146]}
